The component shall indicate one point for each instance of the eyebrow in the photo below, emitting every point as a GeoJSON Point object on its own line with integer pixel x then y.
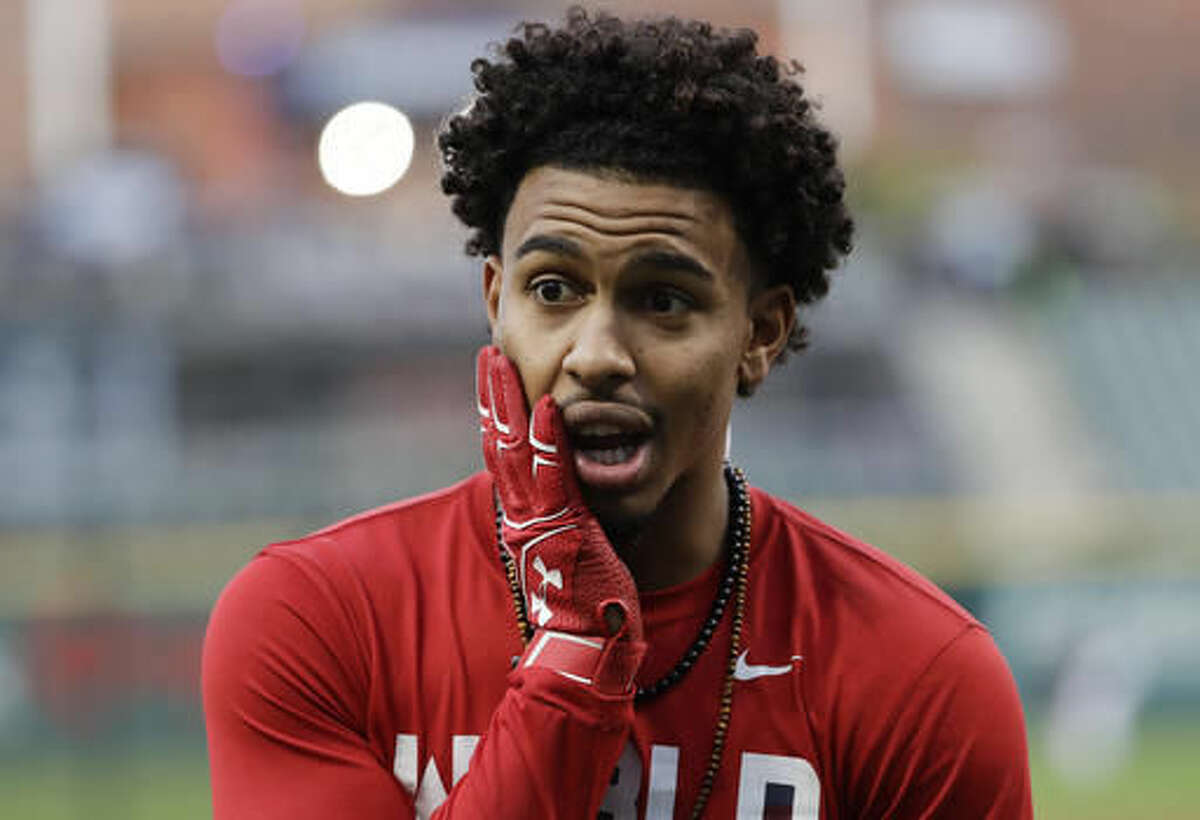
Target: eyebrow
{"type": "Point", "coordinates": [551, 244]}
{"type": "Point", "coordinates": [663, 260]}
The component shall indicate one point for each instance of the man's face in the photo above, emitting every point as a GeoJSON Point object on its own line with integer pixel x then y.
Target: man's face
{"type": "Point", "coordinates": [630, 304]}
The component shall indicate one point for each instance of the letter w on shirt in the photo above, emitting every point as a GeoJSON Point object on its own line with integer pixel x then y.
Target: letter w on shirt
{"type": "Point", "coordinates": [431, 791]}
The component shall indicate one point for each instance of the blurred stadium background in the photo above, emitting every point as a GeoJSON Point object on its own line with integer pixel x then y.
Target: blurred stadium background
{"type": "Point", "coordinates": [205, 345]}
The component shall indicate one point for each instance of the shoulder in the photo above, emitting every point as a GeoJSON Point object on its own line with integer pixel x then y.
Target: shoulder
{"type": "Point", "coordinates": [327, 587]}
{"type": "Point", "coordinates": [461, 510]}
{"type": "Point", "coordinates": [873, 626]}
{"type": "Point", "coordinates": [842, 572]}
{"type": "Point", "coordinates": [412, 536]}
{"type": "Point", "coordinates": [908, 688]}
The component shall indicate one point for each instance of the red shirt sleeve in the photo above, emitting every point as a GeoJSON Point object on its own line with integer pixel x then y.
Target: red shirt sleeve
{"type": "Point", "coordinates": [956, 748]}
{"type": "Point", "coordinates": [549, 751]}
{"type": "Point", "coordinates": [283, 707]}
{"type": "Point", "coordinates": [285, 698]}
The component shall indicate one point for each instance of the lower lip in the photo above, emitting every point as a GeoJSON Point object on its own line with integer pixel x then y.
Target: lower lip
{"type": "Point", "coordinates": [613, 476]}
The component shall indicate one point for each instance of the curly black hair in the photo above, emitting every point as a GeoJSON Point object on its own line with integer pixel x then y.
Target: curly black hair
{"type": "Point", "coordinates": [659, 100]}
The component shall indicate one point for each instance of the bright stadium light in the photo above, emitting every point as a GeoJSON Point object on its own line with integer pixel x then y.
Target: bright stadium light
{"type": "Point", "coordinates": [365, 148]}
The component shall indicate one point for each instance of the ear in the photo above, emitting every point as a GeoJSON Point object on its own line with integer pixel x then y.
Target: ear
{"type": "Point", "coordinates": [772, 314]}
{"type": "Point", "coordinates": [493, 278]}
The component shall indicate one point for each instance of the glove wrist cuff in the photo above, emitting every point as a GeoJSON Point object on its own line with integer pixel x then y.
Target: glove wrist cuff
{"type": "Point", "coordinates": [604, 664]}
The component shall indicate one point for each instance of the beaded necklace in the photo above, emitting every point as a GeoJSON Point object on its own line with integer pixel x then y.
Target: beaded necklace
{"type": "Point", "coordinates": [733, 584]}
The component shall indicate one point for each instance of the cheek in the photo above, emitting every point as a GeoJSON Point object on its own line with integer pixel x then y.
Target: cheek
{"type": "Point", "coordinates": [533, 354]}
{"type": "Point", "coordinates": [705, 396]}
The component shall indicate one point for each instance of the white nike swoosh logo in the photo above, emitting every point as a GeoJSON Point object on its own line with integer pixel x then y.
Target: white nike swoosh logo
{"type": "Point", "coordinates": [750, 671]}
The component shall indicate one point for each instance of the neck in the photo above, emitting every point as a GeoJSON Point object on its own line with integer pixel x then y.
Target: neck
{"type": "Point", "coordinates": [685, 534]}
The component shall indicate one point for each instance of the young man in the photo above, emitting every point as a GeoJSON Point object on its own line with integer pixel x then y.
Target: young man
{"type": "Point", "coordinates": [608, 621]}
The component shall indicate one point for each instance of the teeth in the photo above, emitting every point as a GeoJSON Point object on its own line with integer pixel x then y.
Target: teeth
{"type": "Point", "coordinates": [598, 430]}
{"type": "Point", "coordinates": [611, 455]}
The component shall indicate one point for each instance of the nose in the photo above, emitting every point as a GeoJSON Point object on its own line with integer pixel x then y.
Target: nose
{"type": "Point", "coordinates": [599, 359]}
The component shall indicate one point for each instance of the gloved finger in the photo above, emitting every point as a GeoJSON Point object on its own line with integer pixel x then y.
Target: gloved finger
{"type": "Point", "coordinates": [483, 401]}
{"type": "Point", "coordinates": [506, 397]}
{"type": "Point", "coordinates": [552, 462]}
{"type": "Point", "coordinates": [489, 445]}
{"type": "Point", "coordinates": [483, 404]}
{"type": "Point", "coordinates": [510, 422]}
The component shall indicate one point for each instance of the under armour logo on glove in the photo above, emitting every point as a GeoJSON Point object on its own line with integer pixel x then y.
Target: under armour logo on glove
{"type": "Point", "coordinates": [545, 524]}
{"type": "Point", "coordinates": [537, 602]}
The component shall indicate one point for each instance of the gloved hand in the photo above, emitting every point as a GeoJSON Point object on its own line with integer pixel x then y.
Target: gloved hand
{"type": "Point", "coordinates": [579, 595]}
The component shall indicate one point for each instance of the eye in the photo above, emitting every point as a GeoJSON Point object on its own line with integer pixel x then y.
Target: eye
{"type": "Point", "coordinates": [553, 290]}
{"type": "Point", "coordinates": [665, 301]}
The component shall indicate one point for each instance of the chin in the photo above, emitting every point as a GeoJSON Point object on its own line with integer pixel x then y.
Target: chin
{"type": "Point", "coordinates": [623, 518]}
{"type": "Point", "coordinates": [623, 534]}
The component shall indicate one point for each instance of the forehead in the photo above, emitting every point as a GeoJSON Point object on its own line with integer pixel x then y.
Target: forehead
{"type": "Point", "coordinates": [608, 212]}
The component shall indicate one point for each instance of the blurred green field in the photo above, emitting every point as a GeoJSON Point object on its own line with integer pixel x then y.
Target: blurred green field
{"type": "Point", "coordinates": [137, 783]}
{"type": "Point", "coordinates": [1160, 781]}
{"type": "Point", "coordinates": [169, 783]}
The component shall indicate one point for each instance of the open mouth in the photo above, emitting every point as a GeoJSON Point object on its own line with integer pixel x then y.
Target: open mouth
{"type": "Point", "coordinates": [611, 442]}
{"type": "Point", "coordinates": [610, 449]}
{"type": "Point", "coordinates": [613, 463]}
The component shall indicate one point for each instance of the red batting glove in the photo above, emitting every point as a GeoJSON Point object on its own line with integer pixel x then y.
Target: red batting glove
{"type": "Point", "coordinates": [579, 595]}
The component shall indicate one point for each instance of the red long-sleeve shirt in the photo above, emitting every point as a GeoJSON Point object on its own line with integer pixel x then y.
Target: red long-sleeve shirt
{"type": "Point", "coordinates": [365, 672]}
